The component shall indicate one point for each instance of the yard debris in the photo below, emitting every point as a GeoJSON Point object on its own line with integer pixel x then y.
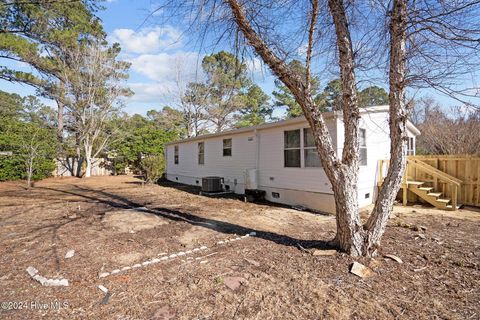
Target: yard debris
{"type": "Point", "coordinates": [44, 281]}
{"type": "Point", "coordinates": [302, 248]}
{"type": "Point", "coordinates": [324, 252]}
{"type": "Point", "coordinates": [253, 262]}
{"type": "Point", "coordinates": [106, 298]}
{"type": "Point", "coordinates": [374, 264]}
{"type": "Point", "coordinates": [419, 269]}
{"type": "Point", "coordinates": [102, 288]}
{"type": "Point", "coordinates": [69, 254]}
{"type": "Point", "coordinates": [233, 283]}
{"type": "Point", "coordinates": [419, 228]}
{"type": "Point", "coordinates": [164, 313]}
{"type": "Point", "coordinates": [393, 257]}
{"type": "Point", "coordinates": [360, 270]}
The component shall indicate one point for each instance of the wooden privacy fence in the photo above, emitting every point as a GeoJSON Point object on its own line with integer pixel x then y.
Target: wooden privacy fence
{"type": "Point", "coordinates": [457, 177]}
{"type": "Point", "coordinates": [466, 168]}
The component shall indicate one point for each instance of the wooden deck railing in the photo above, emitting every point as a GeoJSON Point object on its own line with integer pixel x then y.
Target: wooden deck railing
{"type": "Point", "coordinates": [421, 166]}
{"type": "Point", "coordinates": [457, 177]}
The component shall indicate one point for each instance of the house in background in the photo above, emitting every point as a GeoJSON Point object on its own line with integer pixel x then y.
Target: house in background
{"type": "Point", "coordinates": [280, 158]}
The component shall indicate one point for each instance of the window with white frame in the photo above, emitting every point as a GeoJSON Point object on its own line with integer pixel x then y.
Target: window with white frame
{"type": "Point", "coordinates": [201, 153]}
{"type": "Point", "coordinates": [310, 154]}
{"type": "Point", "coordinates": [363, 147]}
{"type": "Point", "coordinates": [292, 148]}
{"type": "Point", "coordinates": [410, 147]}
{"type": "Point", "coordinates": [227, 147]}
{"type": "Point", "coordinates": [175, 154]}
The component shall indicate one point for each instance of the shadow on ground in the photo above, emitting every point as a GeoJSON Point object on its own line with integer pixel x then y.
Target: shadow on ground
{"type": "Point", "coordinates": [117, 201]}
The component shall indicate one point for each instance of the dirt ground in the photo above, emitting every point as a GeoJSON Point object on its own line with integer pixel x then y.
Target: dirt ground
{"type": "Point", "coordinates": [115, 222]}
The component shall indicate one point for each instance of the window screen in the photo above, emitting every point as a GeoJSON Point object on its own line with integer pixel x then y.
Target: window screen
{"type": "Point", "coordinates": [201, 153]}
{"type": "Point", "coordinates": [227, 147]}
{"type": "Point", "coordinates": [292, 148]}
{"type": "Point", "coordinates": [363, 147]}
{"type": "Point", "coordinates": [310, 151]}
{"type": "Point", "coordinates": [410, 147]}
{"type": "Point", "coordinates": [175, 152]}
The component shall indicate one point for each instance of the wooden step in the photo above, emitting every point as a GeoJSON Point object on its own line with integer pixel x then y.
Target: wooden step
{"type": "Point", "coordinates": [417, 183]}
{"type": "Point", "coordinates": [434, 194]}
{"type": "Point", "coordinates": [426, 189]}
{"type": "Point", "coordinates": [445, 201]}
{"type": "Point", "coordinates": [430, 197]}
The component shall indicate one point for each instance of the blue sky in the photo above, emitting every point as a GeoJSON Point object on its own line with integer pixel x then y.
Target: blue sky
{"type": "Point", "coordinates": [161, 56]}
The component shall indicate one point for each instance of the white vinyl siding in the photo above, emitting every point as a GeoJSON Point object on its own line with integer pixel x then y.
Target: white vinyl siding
{"type": "Point", "coordinates": [231, 168]}
{"type": "Point", "coordinates": [263, 150]}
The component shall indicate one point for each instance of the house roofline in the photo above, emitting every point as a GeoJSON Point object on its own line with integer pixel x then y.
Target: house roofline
{"type": "Point", "coordinates": [281, 123]}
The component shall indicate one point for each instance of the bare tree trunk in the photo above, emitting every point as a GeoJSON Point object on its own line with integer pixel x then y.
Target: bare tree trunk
{"type": "Point", "coordinates": [352, 237]}
{"type": "Point", "coordinates": [79, 159]}
{"type": "Point", "coordinates": [60, 123]}
{"type": "Point", "coordinates": [350, 232]}
{"type": "Point", "coordinates": [343, 175]}
{"type": "Point", "coordinates": [29, 172]}
{"type": "Point", "coordinates": [88, 159]}
{"type": "Point", "coordinates": [377, 222]}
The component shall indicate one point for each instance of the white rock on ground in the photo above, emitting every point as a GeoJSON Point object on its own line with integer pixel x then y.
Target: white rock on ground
{"type": "Point", "coordinates": [104, 290]}
{"type": "Point", "coordinates": [44, 281]}
{"type": "Point", "coordinates": [360, 270]}
{"type": "Point", "coordinates": [69, 254]}
{"type": "Point", "coordinates": [393, 257]}
{"type": "Point", "coordinates": [32, 271]}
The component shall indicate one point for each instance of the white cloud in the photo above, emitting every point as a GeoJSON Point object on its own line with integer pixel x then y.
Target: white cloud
{"type": "Point", "coordinates": [152, 93]}
{"type": "Point", "coordinates": [163, 70]}
{"type": "Point", "coordinates": [148, 40]}
{"type": "Point", "coordinates": [165, 67]}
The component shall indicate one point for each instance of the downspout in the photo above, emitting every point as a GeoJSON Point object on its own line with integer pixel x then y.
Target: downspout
{"type": "Point", "coordinates": [257, 152]}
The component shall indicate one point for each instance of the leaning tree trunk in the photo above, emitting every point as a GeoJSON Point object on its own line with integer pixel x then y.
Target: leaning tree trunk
{"type": "Point", "coordinates": [350, 232]}
{"type": "Point", "coordinates": [352, 237]}
{"type": "Point", "coordinates": [377, 222]}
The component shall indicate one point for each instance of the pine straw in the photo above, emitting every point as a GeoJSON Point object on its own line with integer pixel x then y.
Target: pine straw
{"type": "Point", "coordinates": [440, 276]}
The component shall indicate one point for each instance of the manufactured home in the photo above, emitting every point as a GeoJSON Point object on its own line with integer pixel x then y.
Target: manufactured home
{"type": "Point", "coordinates": [280, 159]}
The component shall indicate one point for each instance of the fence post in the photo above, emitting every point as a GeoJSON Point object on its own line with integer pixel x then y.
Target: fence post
{"type": "Point", "coordinates": [454, 198]}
